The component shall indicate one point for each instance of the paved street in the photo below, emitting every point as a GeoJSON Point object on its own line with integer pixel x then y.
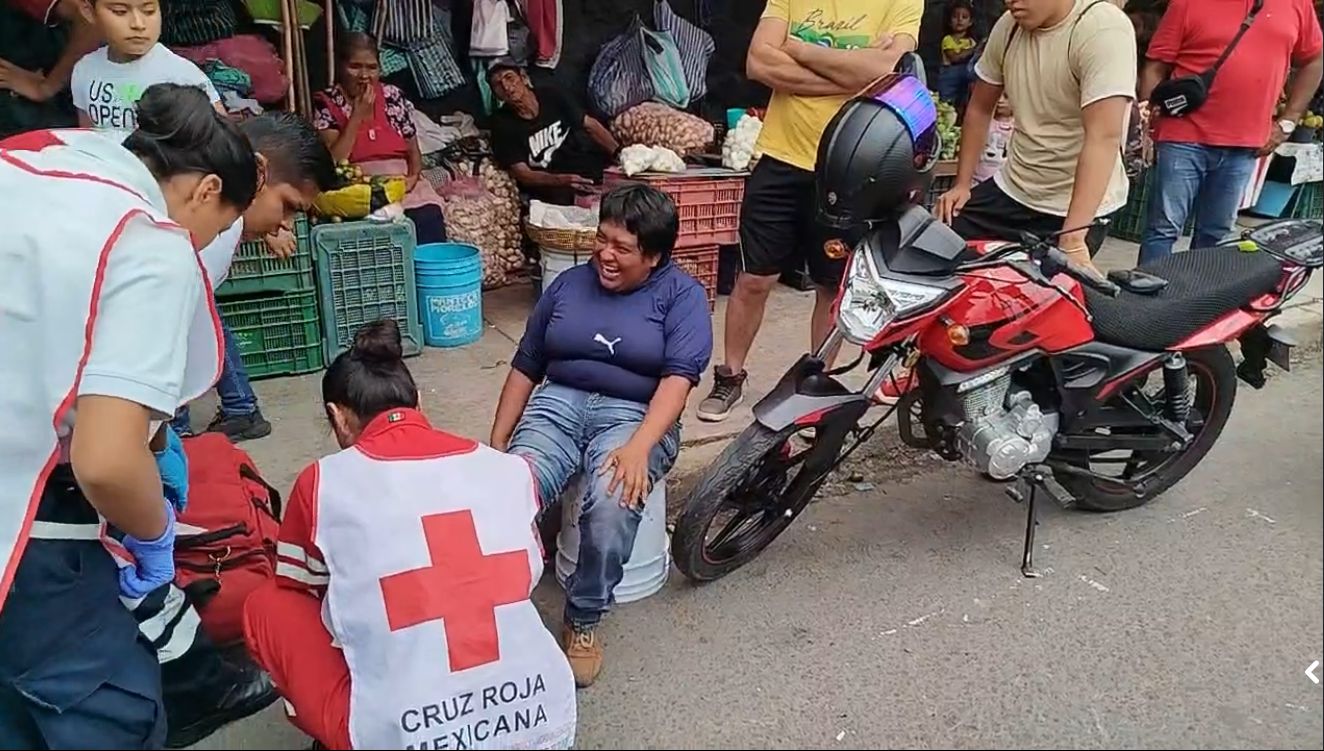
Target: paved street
{"type": "Point", "coordinates": [897, 617]}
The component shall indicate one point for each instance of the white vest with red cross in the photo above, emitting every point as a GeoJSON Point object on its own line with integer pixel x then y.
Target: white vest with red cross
{"type": "Point", "coordinates": [74, 205]}
{"type": "Point", "coordinates": [432, 562]}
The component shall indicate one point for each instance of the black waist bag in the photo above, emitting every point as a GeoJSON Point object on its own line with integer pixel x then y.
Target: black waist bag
{"type": "Point", "coordinates": [1176, 97]}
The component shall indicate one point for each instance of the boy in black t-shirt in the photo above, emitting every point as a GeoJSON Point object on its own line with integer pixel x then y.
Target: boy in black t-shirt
{"type": "Point", "coordinates": [552, 148]}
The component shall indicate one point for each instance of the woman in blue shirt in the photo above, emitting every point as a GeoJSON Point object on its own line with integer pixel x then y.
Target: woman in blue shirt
{"type": "Point", "coordinates": [608, 359]}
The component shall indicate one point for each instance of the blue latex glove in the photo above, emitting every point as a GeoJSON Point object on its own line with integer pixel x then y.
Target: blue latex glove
{"type": "Point", "coordinates": [172, 463]}
{"type": "Point", "coordinates": [155, 561]}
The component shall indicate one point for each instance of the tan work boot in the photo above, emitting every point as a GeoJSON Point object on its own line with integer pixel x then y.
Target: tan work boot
{"type": "Point", "coordinates": [584, 651]}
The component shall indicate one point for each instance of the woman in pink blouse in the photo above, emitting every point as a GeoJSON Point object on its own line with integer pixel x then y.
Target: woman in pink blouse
{"type": "Point", "coordinates": [370, 124]}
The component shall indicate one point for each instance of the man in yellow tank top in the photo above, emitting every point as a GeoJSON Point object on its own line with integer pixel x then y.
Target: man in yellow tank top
{"type": "Point", "coordinates": [814, 55]}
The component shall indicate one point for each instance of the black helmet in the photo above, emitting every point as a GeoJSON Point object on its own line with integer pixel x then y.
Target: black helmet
{"type": "Point", "coordinates": [875, 152]}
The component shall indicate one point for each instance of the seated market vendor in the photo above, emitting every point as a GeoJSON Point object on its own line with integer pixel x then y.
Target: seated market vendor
{"type": "Point", "coordinates": [370, 124]}
{"type": "Point", "coordinates": [552, 148]}
{"type": "Point", "coordinates": [599, 381]}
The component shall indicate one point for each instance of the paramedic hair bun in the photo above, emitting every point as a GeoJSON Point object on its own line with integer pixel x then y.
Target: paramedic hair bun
{"type": "Point", "coordinates": [379, 342]}
{"type": "Point", "coordinates": [179, 132]}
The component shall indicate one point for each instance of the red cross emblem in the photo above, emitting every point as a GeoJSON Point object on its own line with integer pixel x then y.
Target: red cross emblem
{"type": "Point", "coordinates": [462, 588]}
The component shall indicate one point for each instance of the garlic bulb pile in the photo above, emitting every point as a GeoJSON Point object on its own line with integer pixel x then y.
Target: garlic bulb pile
{"type": "Point", "coordinates": [469, 213]}
{"type": "Point", "coordinates": [654, 124]}
{"type": "Point", "coordinates": [738, 148]}
{"type": "Point", "coordinates": [640, 158]}
{"type": "Point", "coordinates": [509, 235]}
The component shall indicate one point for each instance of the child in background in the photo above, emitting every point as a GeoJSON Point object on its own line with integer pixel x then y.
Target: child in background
{"type": "Point", "coordinates": [1000, 130]}
{"type": "Point", "coordinates": [957, 48]}
{"type": "Point", "coordinates": [106, 83]}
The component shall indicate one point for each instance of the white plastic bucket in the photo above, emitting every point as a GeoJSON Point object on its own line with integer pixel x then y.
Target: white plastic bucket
{"type": "Point", "coordinates": [554, 262]}
{"type": "Point", "coordinates": [650, 560]}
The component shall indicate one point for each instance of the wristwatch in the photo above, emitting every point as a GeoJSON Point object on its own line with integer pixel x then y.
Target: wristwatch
{"type": "Point", "coordinates": [1286, 126]}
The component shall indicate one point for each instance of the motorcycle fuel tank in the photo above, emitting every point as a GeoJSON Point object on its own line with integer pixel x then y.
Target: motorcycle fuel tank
{"type": "Point", "coordinates": [1005, 315]}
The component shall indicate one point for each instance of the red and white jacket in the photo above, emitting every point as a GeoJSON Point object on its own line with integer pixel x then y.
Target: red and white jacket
{"type": "Point", "coordinates": [423, 549]}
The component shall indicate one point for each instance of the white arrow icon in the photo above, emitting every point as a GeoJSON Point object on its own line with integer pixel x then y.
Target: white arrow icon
{"type": "Point", "coordinates": [1310, 672]}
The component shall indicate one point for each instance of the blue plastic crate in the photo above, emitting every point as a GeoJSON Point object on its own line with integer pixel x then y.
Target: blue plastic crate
{"type": "Point", "coordinates": [365, 272]}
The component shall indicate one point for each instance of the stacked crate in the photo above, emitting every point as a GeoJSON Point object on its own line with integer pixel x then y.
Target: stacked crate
{"type": "Point", "coordinates": [270, 307]}
{"type": "Point", "coordinates": [708, 202]}
{"type": "Point", "coordinates": [365, 272]}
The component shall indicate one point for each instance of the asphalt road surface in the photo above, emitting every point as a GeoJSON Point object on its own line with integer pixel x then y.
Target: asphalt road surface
{"type": "Point", "coordinates": [896, 616]}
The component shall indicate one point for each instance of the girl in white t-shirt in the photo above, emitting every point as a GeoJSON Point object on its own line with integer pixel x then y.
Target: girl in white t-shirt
{"type": "Point", "coordinates": [107, 83]}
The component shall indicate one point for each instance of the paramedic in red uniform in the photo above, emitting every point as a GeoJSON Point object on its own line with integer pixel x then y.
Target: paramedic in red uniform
{"type": "Point", "coordinates": [400, 614]}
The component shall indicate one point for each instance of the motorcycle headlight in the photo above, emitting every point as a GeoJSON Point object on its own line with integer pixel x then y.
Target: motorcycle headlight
{"type": "Point", "coordinates": [870, 301]}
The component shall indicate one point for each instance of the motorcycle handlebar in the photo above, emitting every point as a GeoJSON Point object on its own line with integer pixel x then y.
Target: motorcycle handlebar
{"type": "Point", "coordinates": [1059, 261]}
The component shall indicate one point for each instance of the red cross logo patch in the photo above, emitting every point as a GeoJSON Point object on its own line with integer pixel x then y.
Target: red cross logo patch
{"type": "Point", "coordinates": [462, 588]}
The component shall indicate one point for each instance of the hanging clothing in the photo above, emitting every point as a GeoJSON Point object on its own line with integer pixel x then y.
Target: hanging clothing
{"type": "Point", "coordinates": [545, 19]}
{"type": "Point", "coordinates": [488, 32]}
{"type": "Point", "coordinates": [74, 663]}
{"type": "Point", "coordinates": [423, 550]}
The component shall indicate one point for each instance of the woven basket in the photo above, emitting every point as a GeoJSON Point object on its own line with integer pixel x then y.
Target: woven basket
{"type": "Point", "coordinates": [561, 239]}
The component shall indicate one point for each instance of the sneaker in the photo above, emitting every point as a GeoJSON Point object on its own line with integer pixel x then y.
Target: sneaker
{"type": "Point", "coordinates": [896, 386]}
{"type": "Point", "coordinates": [241, 427]}
{"type": "Point", "coordinates": [728, 391]}
{"type": "Point", "coordinates": [584, 651]}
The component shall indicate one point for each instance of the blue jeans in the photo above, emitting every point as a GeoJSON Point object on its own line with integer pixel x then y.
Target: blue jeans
{"type": "Point", "coordinates": [236, 393]}
{"type": "Point", "coordinates": [565, 431]}
{"type": "Point", "coordinates": [1186, 176]}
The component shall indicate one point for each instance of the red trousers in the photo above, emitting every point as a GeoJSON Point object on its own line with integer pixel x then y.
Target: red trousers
{"type": "Point", "coordinates": [286, 636]}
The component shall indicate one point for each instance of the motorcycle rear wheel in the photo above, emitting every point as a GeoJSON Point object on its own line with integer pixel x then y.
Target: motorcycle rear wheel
{"type": "Point", "coordinates": [1214, 377]}
{"type": "Point", "coordinates": [753, 477]}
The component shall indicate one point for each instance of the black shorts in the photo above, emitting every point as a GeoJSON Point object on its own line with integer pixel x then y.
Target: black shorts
{"type": "Point", "coordinates": [991, 214]}
{"type": "Point", "coordinates": [779, 227]}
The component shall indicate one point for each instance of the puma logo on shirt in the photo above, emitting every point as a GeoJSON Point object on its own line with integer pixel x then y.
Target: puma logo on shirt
{"type": "Point", "coordinates": [544, 143]}
{"type": "Point", "coordinates": [610, 345]}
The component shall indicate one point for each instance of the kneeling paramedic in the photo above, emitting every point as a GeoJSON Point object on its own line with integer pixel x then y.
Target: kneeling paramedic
{"type": "Point", "coordinates": [400, 615]}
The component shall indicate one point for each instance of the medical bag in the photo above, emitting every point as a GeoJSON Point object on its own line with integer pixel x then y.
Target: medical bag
{"type": "Point", "coordinates": [225, 540]}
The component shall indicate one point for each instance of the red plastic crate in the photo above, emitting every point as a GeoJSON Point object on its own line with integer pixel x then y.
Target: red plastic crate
{"type": "Point", "coordinates": [700, 262]}
{"type": "Point", "coordinates": [709, 206]}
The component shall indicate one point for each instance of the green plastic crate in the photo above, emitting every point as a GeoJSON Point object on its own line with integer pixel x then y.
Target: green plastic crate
{"type": "Point", "coordinates": [365, 272]}
{"type": "Point", "coordinates": [1309, 202]}
{"type": "Point", "coordinates": [1128, 223]}
{"type": "Point", "coordinates": [277, 334]}
{"type": "Point", "coordinates": [255, 271]}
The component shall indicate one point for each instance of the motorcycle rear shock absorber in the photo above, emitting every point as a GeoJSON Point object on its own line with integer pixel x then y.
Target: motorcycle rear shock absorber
{"type": "Point", "coordinates": [1176, 389]}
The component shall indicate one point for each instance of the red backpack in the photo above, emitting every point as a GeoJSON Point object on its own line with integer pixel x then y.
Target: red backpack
{"type": "Point", "coordinates": [225, 541]}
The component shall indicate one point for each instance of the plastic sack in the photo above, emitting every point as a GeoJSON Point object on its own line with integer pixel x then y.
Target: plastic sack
{"type": "Point", "coordinates": [469, 211]}
{"type": "Point", "coordinates": [361, 199]}
{"type": "Point", "coordinates": [695, 45]}
{"type": "Point", "coordinates": [619, 79]}
{"type": "Point", "coordinates": [665, 70]}
{"type": "Point", "coordinates": [655, 124]}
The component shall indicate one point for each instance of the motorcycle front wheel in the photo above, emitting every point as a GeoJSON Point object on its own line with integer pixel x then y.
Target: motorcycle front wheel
{"type": "Point", "coordinates": [747, 497]}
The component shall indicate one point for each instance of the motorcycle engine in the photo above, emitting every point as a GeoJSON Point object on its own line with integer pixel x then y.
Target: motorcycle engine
{"type": "Point", "coordinates": [1004, 429]}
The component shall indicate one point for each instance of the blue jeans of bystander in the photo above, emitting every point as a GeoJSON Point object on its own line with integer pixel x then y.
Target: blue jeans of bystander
{"type": "Point", "coordinates": [565, 431]}
{"type": "Point", "coordinates": [1208, 180]}
{"type": "Point", "coordinates": [235, 392]}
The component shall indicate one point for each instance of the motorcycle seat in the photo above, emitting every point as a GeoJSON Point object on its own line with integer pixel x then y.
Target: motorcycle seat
{"type": "Point", "coordinates": [1203, 285]}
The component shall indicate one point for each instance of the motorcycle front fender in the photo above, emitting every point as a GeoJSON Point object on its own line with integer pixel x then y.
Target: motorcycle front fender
{"type": "Point", "coordinates": [803, 396]}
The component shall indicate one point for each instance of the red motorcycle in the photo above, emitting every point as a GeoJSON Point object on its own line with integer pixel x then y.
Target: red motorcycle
{"type": "Point", "coordinates": [1100, 392]}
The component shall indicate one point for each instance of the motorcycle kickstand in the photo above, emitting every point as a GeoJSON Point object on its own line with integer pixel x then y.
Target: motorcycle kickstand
{"type": "Point", "coordinates": [1031, 521]}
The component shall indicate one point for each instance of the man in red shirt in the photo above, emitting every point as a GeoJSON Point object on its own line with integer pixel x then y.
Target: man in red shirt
{"type": "Point", "coordinates": [1206, 157]}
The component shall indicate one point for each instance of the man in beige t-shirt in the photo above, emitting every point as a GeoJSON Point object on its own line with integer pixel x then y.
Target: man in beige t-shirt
{"type": "Point", "coordinates": [1068, 68]}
